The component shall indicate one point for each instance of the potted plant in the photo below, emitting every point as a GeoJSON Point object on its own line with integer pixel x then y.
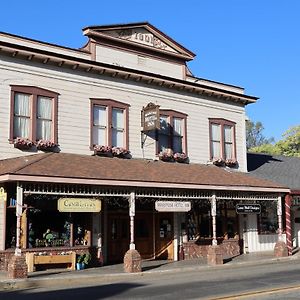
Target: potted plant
{"type": "Point", "coordinates": [218, 161]}
{"type": "Point", "coordinates": [87, 259]}
{"type": "Point", "coordinates": [23, 143]}
{"type": "Point", "coordinates": [180, 157]}
{"type": "Point", "coordinates": [230, 162]}
{"type": "Point", "coordinates": [166, 155]}
{"type": "Point", "coordinates": [102, 150]}
{"type": "Point", "coordinates": [46, 145]}
{"type": "Point", "coordinates": [120, 152]}
{"type": "Point", "coordinates": [79, 264]}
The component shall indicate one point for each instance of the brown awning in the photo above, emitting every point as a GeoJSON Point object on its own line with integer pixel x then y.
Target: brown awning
{"type": "Point", "coordinates": [84, 169]}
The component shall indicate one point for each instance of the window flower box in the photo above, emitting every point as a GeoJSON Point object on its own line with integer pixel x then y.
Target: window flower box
{"type": "Point", "coordinates": [23, 143]}
{"type": "Point", "coordinates": [120, 152]}
{"type": "Point", "coordinates": [102, 150]}
{"type": "Point", "coordinates": [231, 163]}
{"type": "Point", "coordinates": [181, 157]}
{"type": "Point", "coordinates": [166, 155]}
{"type": "Point", "coordinates": [220, 162]}
{"type": "Point", "coordinates": [46, 145]}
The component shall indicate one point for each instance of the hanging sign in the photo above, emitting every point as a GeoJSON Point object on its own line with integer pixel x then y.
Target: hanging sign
{"type": "Point", "coordinates": [150, 117]}
{"type": "Point", "coordinates": [248, 208]}
{"type": "Point", "coordinates": [78, 205]}
{"type": "Point", "coordinates": [173, 206]}
{"type": "Point", "coordinates": [3, 195]}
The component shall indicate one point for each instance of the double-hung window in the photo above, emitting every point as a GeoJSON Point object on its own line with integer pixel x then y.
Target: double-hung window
{"type": "Point", "coordinates": [34, 113]}
{"type": "Point", "coordinates": [222, 139]}
{"type": "Point", "coordinates": [109, 123]}
{"type": "Point", "coordinates": [172, 132]}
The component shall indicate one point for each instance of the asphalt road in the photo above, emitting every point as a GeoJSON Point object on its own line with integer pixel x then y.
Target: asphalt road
{"type": "Point", "coordinates": [265, 281]}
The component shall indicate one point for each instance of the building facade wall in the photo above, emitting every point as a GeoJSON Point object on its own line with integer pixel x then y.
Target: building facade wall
{"type": "Point", "coordinates": [75, 90]}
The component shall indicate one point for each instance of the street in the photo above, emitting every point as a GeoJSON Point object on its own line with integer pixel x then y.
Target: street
{"type": "Point", "coordinates": [266, 281]}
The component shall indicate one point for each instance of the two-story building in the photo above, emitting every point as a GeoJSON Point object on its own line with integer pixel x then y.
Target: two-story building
{"type": "Point", "coordinates": [117, 145]}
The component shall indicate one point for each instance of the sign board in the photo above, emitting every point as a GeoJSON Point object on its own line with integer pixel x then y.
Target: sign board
{"type": "Point", "coordinates": [296, 200]}
{"type": "Point", "coordinates": [248, 208]}
{"type": "Point", "coordinates": [150, 117]}
{"type": "Point", "coordinates": [173, 206]}
{"type": "Point", "coordinates": [3, 195]}
{"type": "Point", "coordinates": [78, 205]}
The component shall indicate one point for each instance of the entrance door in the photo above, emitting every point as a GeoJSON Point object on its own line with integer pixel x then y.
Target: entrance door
{"type": "Point", "coordinates": [164, 236]}
{"type": "Point", "coordinates": [118, 237]}
{"type": "Point", "coordinates": [143, 229]}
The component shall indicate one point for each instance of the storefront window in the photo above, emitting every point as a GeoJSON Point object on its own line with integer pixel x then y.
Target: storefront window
{"type": "Point", "coordinates": [199, 222]}
{"type": "Point", "coordinates": [268, 219]}
{"type": "Point", "coordinates": [42, 225]}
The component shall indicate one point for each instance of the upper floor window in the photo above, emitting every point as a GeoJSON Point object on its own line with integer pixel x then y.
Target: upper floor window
{"type": "Point", "coordinates": [222, 139]}
{"type": "Point", "coordinates": [109, 123]}
{"type": "Point", "coordinates": [172, 133]}
{"type": "Point", "coordinates": [34, 113]}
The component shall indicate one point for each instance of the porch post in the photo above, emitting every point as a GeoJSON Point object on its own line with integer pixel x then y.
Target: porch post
{"type": "Point", "coordinates": [132, 258]}
{"type": "Point", "coordinates": [214, 253]}
{"type": "Point", "coordinates": [131, 215]}
{"type": "Point", "coordinates": [17, 267]}
{"type": "Point", "coordinates": [214, 222]}
{"type": "Point", "coordinates": [19, 206]}
{"type": "Point", "coordinates": [289, 242]}
{"type": "Point", "coordinates": [280, 249]}
{"type": "Point", "coordinates": [279, 215]}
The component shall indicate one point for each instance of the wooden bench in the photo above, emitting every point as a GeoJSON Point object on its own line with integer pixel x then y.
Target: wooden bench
{"type": "Point", "coordinates": [32, 260]}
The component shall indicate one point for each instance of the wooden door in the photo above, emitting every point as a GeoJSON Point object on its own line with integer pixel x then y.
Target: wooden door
{"type": "Point", "coordinates": [143, 225]}
{"type": "Point", "coordinates": [164, 236]}
{"type": "Point", "coordinates": [118, 237]}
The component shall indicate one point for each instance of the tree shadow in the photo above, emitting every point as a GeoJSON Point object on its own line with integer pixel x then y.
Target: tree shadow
{"type": "Point", "coordinates": [91, 293]}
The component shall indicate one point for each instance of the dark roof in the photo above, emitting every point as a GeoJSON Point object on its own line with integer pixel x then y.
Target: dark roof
{"type": "Point", "coordinates": [66, 165]}
{"type": "Point", "coordinates": [282, 169]}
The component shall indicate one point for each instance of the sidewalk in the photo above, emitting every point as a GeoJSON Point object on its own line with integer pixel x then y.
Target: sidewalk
{"type": "Point", "coordinates": [55, 277]}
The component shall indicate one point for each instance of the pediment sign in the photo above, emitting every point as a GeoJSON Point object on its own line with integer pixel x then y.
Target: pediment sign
{"type": "Point", "coordinates": [140, 36]}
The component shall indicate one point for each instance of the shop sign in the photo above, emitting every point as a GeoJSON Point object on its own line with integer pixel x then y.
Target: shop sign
{"type": "Point", "coordinates": [296, 201]}
{"type": "Point", "coordinates": [78, 205]}
{"type": "Point", "coordinates": [3, 195]}
{"type": "Point", "coordinates": [150, 117]}
{"type": "Point", "coordinates": [173, 206]}
{"type": "Point", "coordinates": [248, 208]}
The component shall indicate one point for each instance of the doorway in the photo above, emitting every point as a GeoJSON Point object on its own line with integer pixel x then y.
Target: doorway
{"type": "Point", "coordinates": [164, 236]}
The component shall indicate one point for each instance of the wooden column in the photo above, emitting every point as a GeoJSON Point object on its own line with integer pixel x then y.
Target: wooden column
{"type": "Point", "coordinates": [131, 215]}
{"type": "Point", "coordinates": [132, 258]}
{"type": "Point", "coordinates": [19, 208]}
{"type": "Point", "coordinates": [279, 215]}
{"type": "Point", "coordinates": [17, 267]}
{"type": "Point", "coordinates": [214, 221]}
{"type": "Point", "coordinates": [288, 204]}
{"type": "Point", "coordinates": [214, 253]}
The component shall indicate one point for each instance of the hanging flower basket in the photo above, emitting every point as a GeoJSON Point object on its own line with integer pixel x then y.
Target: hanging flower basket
{"type": "Point", "coordinates": [220, 162]}
{"type": "Point", "coordinates": [46, 145]}
{"type": "Point", "coordinates": [102, 150]}
{"type": "Point", "coordinates": [181, 158]}
{"type": "Point", "coordinates": [23, 143]}
{"type": "Point", "coordinates": [231, 163]}
{"type": "Point", "coordinates": [166, 155]}
{"type": "Point", "coordinates": [120, 152]}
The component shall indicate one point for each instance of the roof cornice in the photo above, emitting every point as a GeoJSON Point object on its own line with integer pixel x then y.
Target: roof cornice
{"type": "Point", "coordinates": [77, 63]}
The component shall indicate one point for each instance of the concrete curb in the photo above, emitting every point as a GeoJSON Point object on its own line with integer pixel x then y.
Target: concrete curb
{"type": "Point", "coordinates": [66, 279]}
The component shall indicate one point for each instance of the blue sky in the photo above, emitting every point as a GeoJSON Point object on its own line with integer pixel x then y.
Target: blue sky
{"type": "Point", "coordinates": [254, 44]}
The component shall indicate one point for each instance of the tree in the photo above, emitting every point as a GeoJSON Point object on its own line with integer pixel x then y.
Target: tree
{"type": "Point", "coordinates": [254, 136]}
{"type": "Point", "coordinates": [290, 144]}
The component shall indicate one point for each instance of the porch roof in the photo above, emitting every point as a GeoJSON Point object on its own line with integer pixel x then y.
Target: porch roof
{"type": "Point", "coordinates": [84, 169]}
